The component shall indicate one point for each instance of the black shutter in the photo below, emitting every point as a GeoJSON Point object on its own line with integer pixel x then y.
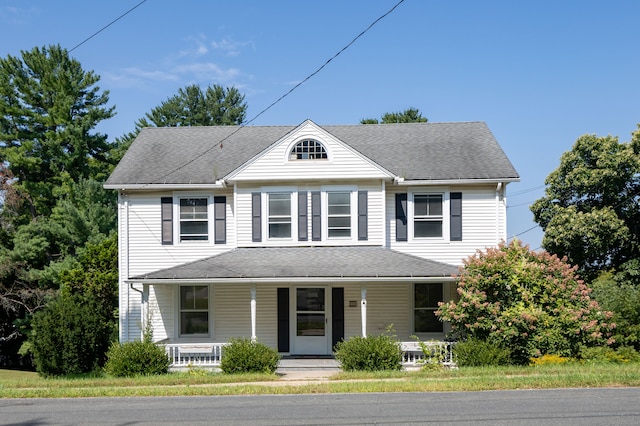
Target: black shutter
{"type": "Point", "coordinates": [302, 216]}
{"type": "Point", "coordinates": [401, 217]}
{"type": "Point", "coordinates": [256, 218]}
{"type": "Point", "coordinates": [220, 219]}
{"type": "Point", "coordinates": [166, 207]}
{"type": "Point", "coordinates": [316, 230]}
{"type": "Point", "coordinates": [283, 320]}
{"type": "Point", "coordinates": [362, 216]}
{"type": "Point", "coordinates": [455, 219]}
{"type": "Point", "coordinates": [337, 313]}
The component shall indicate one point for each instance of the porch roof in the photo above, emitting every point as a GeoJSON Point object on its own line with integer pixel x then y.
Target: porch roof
{"type": "Point", "coordinates": [305, 263]}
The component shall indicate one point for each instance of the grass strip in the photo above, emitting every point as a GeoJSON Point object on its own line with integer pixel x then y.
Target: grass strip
{"type": "Point", "coordinates": [29, 385]}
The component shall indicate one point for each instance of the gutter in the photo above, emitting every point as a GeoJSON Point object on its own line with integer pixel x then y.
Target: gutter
{"type": "Point", "coordinates": [280, 280]}
{"type": "Point", "coordinates": [402, 182]}
{"type": "Point", "coordinates": [219, 184]}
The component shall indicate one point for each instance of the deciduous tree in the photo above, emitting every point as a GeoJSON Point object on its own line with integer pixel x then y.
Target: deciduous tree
{"type": "Point", "coordinates": [590, 211]}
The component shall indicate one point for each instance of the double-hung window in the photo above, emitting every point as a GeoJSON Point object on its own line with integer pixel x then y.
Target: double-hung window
{"type": "Point", "coordinates": [427, 215]}
{"type": "Point", "coordinates": [279, 214]}
{"type": "Point", "coordinates": [194, 219]}
{"type": "Point", "coordinates": [339, 214]}
{"type": "Point", "coordinates": [426, 298]}
{"type": "Point", "coordinates": [194, 310]}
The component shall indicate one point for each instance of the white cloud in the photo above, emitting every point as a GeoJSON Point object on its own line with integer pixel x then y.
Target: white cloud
{"type": "Point", "coordinates": [207, 71]}
{"type": "Point", "coordinates": [229, 46]}
{"type": "Point", "coordinates": [17, 16]}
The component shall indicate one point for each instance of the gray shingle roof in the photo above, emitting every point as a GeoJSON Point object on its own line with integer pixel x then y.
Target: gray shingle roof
{"type": "Point", "coordinates": [429, 151]}
{"type": "Point", "coordinates": [306, 262]}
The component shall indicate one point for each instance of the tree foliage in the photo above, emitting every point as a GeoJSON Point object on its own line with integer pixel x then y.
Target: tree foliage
{"type": "Point", "coordinates": [191, 106]}
{"type": "Point", "coordinates": [70, 337]}
{"type": "Point", "coordinates": [532, 303]}
{"type": "Point", "coordinates": [590, 211]}
{"type": "Point", "coordinates": [409, 115]}
{"type": "Point", "coordinates": [51, 160]}
{"type": "Point", "coordinates": [620, 293]}
{"type": "Point", "coordinates": [49, 106]}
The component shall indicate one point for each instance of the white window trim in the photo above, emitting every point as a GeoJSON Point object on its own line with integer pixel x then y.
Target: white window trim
{"type": "Point", "coordinates": [301, 138]}
{"type": "Point", "coordinates": [210, 217]}
{"type": "Point", "coordinates": [445, 326]}
{"type": "Point", "coordinates": [187, 337]}
{"type": "Point", "coordinates": [445, 214]}
{"type": "Point", "coordinates": [353, 198]}
{"type": "Point", "coordinates": [265, 191]}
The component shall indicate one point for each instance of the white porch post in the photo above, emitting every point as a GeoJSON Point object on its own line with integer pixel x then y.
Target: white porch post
{"type": "Point", "coordinates": [363, 309]}
{"type": "Point", "coordinates": [253, 312]}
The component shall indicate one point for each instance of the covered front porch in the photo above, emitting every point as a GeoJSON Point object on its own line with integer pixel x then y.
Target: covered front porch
{"type": "Point", "coordinates": [301, 301]}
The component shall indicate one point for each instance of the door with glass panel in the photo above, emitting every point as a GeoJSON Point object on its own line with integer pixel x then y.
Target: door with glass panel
{"type": "Point", "coordinates": [310, 324]}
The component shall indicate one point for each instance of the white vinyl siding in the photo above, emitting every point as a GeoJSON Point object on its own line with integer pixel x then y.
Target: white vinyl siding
{"type": "Point", "coordinates": [145, 250]}
{"type": "Point", "coordinates": [342, 163]}
{"type": "Point", "coordinates": [483, 223]}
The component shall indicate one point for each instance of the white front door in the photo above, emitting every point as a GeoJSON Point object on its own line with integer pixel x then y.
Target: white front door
{"type": "Point", "coordinates": [310, 323]}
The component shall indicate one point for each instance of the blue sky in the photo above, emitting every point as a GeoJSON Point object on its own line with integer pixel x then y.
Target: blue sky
{"type": "Point", "coordinates": [539, 73]}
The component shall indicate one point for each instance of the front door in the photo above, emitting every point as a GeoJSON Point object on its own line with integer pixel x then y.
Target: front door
{"type": "Point", "coordinates": [310, 330]}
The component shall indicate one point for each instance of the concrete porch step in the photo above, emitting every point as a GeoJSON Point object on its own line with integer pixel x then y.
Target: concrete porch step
{"type": "Point", "coordinates": [305, 364]}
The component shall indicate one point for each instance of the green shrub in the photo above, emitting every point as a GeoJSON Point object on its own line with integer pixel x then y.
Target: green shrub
{"type": "Point", "coordinates": [139, 358]}
{"type": "Point", "coordinates": [246, 356]}
{"type": "Point", "coordinates": [606, 355]}
{"type": "Point", "coordinates": [371, 353]}
{"type": "Point", "coordinates": [71, 336]}
{"type": "Point", "coordinates": [476, 352]}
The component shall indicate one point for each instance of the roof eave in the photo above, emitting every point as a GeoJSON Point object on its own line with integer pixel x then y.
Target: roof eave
{"type": "Point", "coordinates": [280, 280]}
{"type": "Point", "coordinates": [411, 182]}
{"type": "Point", "coordinates": [219, 184]}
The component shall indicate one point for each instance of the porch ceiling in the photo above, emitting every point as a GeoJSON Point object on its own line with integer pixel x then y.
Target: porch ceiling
{"type": "Point", "coordinates": [336, 263]}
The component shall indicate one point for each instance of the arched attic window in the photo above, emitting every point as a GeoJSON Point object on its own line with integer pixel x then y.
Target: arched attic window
{"type": "Point", "coordinates": [308, 149]}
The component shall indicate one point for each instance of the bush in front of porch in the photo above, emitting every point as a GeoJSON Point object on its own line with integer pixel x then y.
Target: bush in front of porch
{"type": "Point", "coordinates": [371, 353]}
{"type": "Point", "coordinates": [244, 355]}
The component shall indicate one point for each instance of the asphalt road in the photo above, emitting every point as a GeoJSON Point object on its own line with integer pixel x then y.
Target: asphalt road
{"type": "Point", "coordinates": [619, 406]}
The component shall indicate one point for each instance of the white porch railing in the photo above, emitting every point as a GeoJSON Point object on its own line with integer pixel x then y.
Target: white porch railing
{"type": "Point", "coordinates": [208, 355]}
{"type": "Point", "coordinates": [437, 352]}
{"type": "Point", "coordinates": [202, 355]}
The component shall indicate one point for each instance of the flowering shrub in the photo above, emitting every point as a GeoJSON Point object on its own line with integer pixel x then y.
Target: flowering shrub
{"type": "Point", "coordinates": [530, 302]}
{"type": "Point", "coordinates": [550, 359]}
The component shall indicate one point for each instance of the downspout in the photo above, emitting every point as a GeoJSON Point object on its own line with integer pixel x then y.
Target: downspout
{"type": "Point", "coordinates": [498, 211]}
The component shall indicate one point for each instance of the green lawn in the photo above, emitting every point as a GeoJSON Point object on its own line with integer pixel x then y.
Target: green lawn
{"type": "Point", "coordinates": [20, 384]}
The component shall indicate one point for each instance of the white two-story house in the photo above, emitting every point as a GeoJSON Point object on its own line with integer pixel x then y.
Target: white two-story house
{"type": "Point", "coordinates": [301, 236]}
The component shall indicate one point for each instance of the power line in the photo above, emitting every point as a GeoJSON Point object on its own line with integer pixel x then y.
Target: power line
{"type": "Point", "coordinates": [106, 26]}
{"type": "Point", "coordinates": [241, 126]}
{"type": "Point", "coordinates": [524, 191]}
{"type": "Point", "coordinates": [326, 63]}
{"type": "Point", "coordinates": [520, 204]}
{"type": "Point", "coordinates": [524, 232]}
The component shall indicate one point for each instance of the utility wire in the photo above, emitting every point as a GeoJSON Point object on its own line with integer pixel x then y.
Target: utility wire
{"type": "Point", "coordinates": [524, 191]}
{"type": "Point", "coordinates": [524, 232]}
{"type": "Point", "coordinates": [106, 26]}
{"type": "Point", "coordinates": [241, 126]}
